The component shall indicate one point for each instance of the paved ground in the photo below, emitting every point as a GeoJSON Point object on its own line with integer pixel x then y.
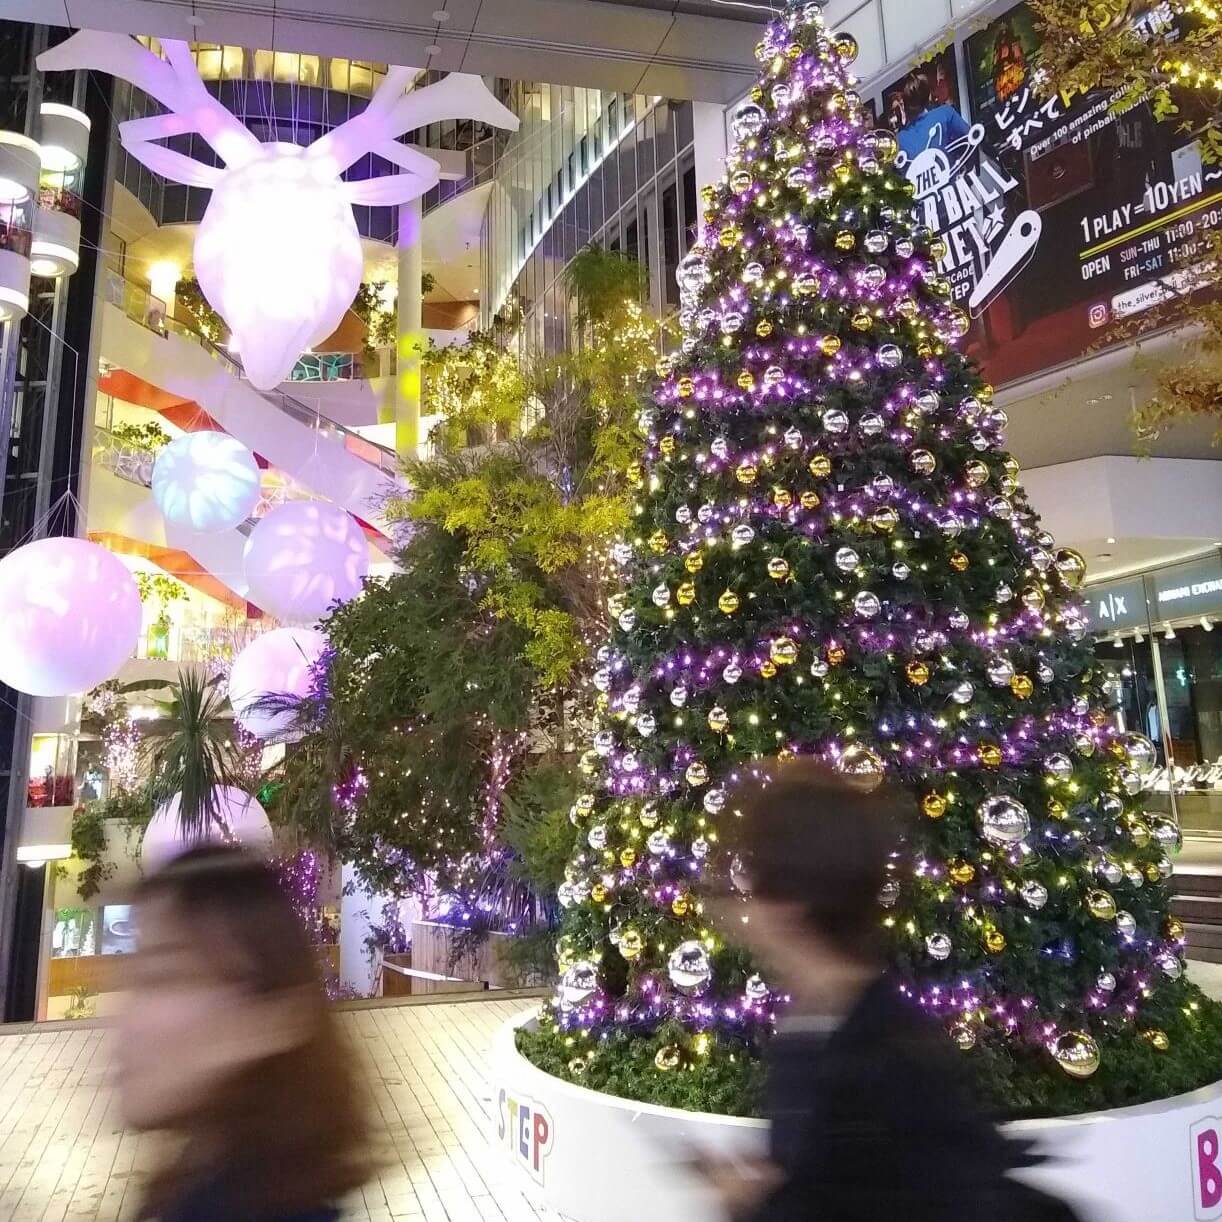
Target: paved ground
{"type": "Point", "coordinates": [64, 1156]}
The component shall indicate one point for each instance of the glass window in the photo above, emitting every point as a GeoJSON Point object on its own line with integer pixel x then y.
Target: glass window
{"type": "Point", "coordinates": [1192, 680]}
{"type": "Point", "coordinates": [361, 78]}
{"type": "Point", "coordinates": [664, 131]}
{"type": "Point", "coordinates": [611, 195]}
{"type": "Point", "coordinates": [207, 58]}
{"type": "Point", "coordinates": [585, 155]}
{"type": "Point", "coordinates": [309, 70]}
{"type": "Point", "coordinates": [646, 255]}
{"type": "Point", "coordinates": [597, 214]}
{"type": "Point", "coordinates": [232, 63]}
{"type": "Point", "coordinates": [683, 126]}
{"type": "Point", "coordinates": [337, 73]}
{"type": "Point", "coordinates": [670, 244]}
{"type": "Point", "coordinates": [627, 165]}
{"type": "Point", "coordinates": [631, 237]}
{"type": "Point", "coordinates": [285, 67]}
{"type": "Point", "coordinates": [691, 217]}
{"type": "Point", "coordinates": [644, 150]}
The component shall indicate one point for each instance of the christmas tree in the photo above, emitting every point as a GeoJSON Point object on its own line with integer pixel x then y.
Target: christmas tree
{"type": "Point", "coordinates": [832, 556]}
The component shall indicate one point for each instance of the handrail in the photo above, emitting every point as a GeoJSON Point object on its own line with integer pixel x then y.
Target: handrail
{"type": "Point", "coordinates": [150, 312]}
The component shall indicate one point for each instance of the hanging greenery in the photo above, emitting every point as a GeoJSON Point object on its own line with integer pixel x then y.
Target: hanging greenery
{"type": "Point", "coordinates": [189, 300]}
{"type": "Point", "coordinates": [1170, 53]}
{"type": "Point", "coordinates": [146, 438]}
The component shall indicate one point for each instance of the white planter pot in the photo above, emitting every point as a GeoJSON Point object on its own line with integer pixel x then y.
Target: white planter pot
{"type": "Point", "coordinates": [597, 1158]}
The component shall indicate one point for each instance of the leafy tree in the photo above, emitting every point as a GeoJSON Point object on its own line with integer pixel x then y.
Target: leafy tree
{"type": "Point", "coordinates": [192, 751]}
{"type": "Point", "coordinates": [1127, 47]}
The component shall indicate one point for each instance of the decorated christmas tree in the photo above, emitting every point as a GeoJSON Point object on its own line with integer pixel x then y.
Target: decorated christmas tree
{"type": "Point", "coordinates": [832, 556]}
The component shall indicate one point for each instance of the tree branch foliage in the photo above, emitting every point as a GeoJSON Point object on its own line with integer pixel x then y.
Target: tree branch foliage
{"type": "Point", "coordinates": [1130, 47]}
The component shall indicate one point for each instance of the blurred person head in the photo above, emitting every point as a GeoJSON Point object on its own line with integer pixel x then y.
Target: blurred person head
{"type": "Point", "coordinates": [917, 95]}
{"type": "Point", "coordinates": [814, 847]}
{"type": "Point", "coordinates": [227, 1042]}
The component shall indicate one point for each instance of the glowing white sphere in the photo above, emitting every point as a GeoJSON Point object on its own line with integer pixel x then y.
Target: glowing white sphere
{"type": "Point", "coordinates": [279, 257]}
{"type": "Point", "coordinates": [303, 557]}
{"type": "Point", "coordinates": [275, 664]}
{"type": "Point", "coordinates": [242, 821]}
{"type": "Point", "coordinates": [205, 482]}
{"type": "Point", "coordinates": [69, 616]}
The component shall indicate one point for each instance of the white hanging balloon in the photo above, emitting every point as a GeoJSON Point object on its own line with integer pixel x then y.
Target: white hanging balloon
{"type": "Point", "coordinates": [278, 663]}
{"type": "Point", "coordinates": [303, 557]}
{"type": "Point", "coordinates": [205, 482]}
{"type": "Point", "coordinates": [242, 821]}
{"type": "Point", "coordinates": [70, 616]}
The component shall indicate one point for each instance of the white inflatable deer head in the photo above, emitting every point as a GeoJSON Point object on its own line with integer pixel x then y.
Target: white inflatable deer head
{"type": "Point", "coordinates": [277, 254]}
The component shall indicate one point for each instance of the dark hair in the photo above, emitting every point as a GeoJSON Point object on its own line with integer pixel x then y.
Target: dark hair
{"type": "Point", "coordinates": [917, 94]}
{"type": "Point", "coordinates": [289, 1133]}
{"type": "Point", "coordinates": [813, 835]}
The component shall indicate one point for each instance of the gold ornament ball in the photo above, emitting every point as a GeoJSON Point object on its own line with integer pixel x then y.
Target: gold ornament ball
{"type": "Point", "coordinates": [933, 805]}
{"type": "Point", "coordinates": [1157, 1039]}
{"type": "Point", "coordinates": [634, 474]}
{"type": "Point", "coordinates": [836, 654]}
{"type": "Point", "coordinates": [1174, 928]}
{"type": "Point", "coordinates": [1152, 874]}
{"type": "Point", "coordinates": [783, 651]}
{"type": "Point", "coordinates": [679, 905]}
{"type": "Point", "coordinates": [719, 719]}
{"type": "Point", "coordinates": [1056, 810]}
{"type": "Point", "coordinates": [729, 237]}
{"type": "Point", "coordinates": [1076, 1053]}
{"type": "Point", "coordinates": [959, 561]}
{"type": "Point", "coordinates": [886, 147]}
{"type": "Point", "coordinates": [686, 387]}
{"type": "Point", "coordinates": [976, 474]}
{"type": "Point", "coordinates": [1033, 598]}
{"type": "Point", "coordinates": [994, 941]}
{"type": "Point", "coordinates": [746, 473]}
{"type": "Point", "coordinates": [989, 755]}
{"type": "Point", "coordinates": [1022, 686]}
{"type": "Point", "coordinates": [728, 603]}
{"type": "Point", "coordinates": [778, 568]}
{"type": "Point", "coordinates": [668, 1057]}
{"type": "Point", "coordinates": [937, 249]}
{"type": "Point", "coordinates": [708, 193]}
{"type": "Point", "coordinates": [741, 182]}
{"type": "Point", "coordinates": [964, 1036]}
{"type": "Point", "coordinates": [782, 498]}
{"type": "Point", "coordinates": [809, 500]}
{"type": "Point", "coordinates": [631, 944]}
{"type": "Point", "coordinates": [845, 240]}
{"type": "Point", "coordinates": [820, 466]}
{"type": "Point", "coordinates": [829, 345]}
{"type": "Point", "coordinates": [685, 595]}
{"type": "Point", "coordinates": [863, 320]}
{"type": "Point", "coordinates": [693, 562]}
{"type": "Point", "coordinates": [598, 893]}
{"type": "Point", "coordinates": [746, 380]}
{"type": "Point", "coordinates": [658, 541]}
{"type": "Point", "coordinates": [918, 673]}
{"type": "Point", "coordinates": [627, 858]}
{"type": "Point", "coordinates": [884, 520]}
{"type": "Point", "coordinates": [767, 669]}
{"type": "Point", "coordinates": [960, 871]}
{"type": "Point", "coordinates": [667, 444]}
{"type": "Point", "coordinates": [763, 328]}
{"type": "Point", "coordinates": [1101, 904]}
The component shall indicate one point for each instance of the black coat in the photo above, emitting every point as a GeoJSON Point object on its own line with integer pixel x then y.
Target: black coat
{"type": "Point", "coordinates": [876, 1121]}
{"type": "Point", "coordinates": [213, 1202]}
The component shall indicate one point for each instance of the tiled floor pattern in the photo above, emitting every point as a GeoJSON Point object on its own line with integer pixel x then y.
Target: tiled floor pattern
{"type": "Point", "coordinates": [65, 1157]}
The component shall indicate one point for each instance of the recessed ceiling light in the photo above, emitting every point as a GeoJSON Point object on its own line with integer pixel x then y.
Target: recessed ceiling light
{"type": "Point", "coordinates": [1109, 539]}
{"type": "Point", "coordinates": [440, 15]}
{"type": "Point", "coordinates": [432, 49]}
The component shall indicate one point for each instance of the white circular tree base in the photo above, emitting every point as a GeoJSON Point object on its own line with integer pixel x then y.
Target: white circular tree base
{"type": "Point", "coordinates": [597, 1158]}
